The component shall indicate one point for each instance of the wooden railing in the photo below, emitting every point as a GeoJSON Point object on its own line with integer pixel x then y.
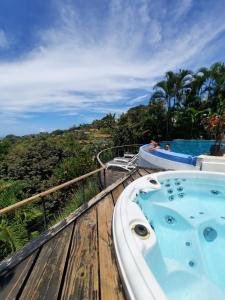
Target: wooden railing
{"type": "Point", "coordinates": [116, 151]}
{"type": "Point", "coordinates": [47, 217]}
{"type": "Point", "coordinates": [41, 195]}
{"type": "Point", "coordinates": [80, 187]}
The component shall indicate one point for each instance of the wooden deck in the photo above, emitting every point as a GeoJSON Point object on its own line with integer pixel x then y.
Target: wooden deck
{"type": "Point", "coordinates": [73, 260]}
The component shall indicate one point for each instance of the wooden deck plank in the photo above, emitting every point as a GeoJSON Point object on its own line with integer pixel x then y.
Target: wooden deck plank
{"type": "Point", "coordinates": [127, 181]}
{"type": "Point", "coordinates": [136, 175]}
{"type": "Point", "coordinates": [150, 171]}
{"type": "Point", "coordinates": [11, 283]}
{"type": "Point", "coordinates": [113, 175]}
{"type": "Point", "coordinates": [143, 172]}
{"type": "Point", "coordinates": [45, 278]}
{"type": "Point", "coordinates": [111, 287]}
{"type": "Point", "coordinates": [81, 279]}
{"type": "Point", "coordinates": [116, 192]}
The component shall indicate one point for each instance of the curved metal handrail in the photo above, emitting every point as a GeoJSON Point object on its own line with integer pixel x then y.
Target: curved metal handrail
{"type": "Point", "coordinates": [102, 164]}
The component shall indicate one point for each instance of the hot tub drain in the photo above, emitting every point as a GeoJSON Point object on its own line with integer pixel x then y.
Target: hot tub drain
{"type": "Point", "coordinates": [141, 230]}
{"type": "Point", "coordinates": [153, 181]}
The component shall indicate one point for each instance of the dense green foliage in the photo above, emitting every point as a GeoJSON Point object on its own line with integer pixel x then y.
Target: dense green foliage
{"type": "Point", "coordinates": [106, 124]}
{"type": "Point", "coordinates": [17, 227]}
{"type": "Point", "coordinates": [34, 163]}
{"type": "Point", "coordinates": [177, 108]}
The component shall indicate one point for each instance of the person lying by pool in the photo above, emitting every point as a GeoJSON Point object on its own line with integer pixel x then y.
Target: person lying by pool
{"type": "Point", "coordinates": [167, 147]}
{"type": "Point", "coordinates": [154, 145]}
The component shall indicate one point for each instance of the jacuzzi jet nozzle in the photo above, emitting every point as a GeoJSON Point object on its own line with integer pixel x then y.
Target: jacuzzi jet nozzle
{"type": "Point", "coordinates": [170, 220]}
{"type": "Point", "coordinates": [210, 234]}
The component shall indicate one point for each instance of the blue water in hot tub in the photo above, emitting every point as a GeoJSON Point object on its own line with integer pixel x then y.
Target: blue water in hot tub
{"type": "Point", "coordinates": [188, 217]}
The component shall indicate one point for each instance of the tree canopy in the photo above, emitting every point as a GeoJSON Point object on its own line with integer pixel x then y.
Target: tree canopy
{"type": "Point", "coordinates": [177, 108]}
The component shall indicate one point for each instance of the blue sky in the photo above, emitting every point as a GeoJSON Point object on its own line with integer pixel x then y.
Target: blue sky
{"type": "Point", "coordinates": [65, 62]}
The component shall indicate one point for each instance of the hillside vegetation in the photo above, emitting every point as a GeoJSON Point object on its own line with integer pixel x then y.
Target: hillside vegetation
{"type": "Point", "coordinates": [34, 163]}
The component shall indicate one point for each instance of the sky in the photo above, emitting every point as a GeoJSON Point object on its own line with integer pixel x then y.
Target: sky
{"type": "Point", "coordinates": [68, 62]}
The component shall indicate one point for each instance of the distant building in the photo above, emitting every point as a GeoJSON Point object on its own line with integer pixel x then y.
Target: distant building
{"type": "Point", "coordinates": [83, 142]}
{"type": "Point", "coordinates": [103, 136]}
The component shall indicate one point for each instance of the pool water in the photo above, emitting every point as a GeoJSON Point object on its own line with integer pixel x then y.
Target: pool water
{"type": "Point", "coordinates": [188, 217]}
{"type": "Point", "coordinates": [191, 147]}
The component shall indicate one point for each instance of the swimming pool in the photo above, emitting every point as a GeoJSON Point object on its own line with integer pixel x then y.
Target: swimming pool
{"type": "Point", "coordinates": [178, 253]}
{"type": "Point", "coordinates": [184, 155]}
{"type": "Point", "coordinates": [191, 147]}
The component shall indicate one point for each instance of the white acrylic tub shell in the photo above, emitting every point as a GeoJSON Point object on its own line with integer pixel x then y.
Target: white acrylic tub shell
{"type": "Point", "coordinates": [139, 281]}
{"type": "Point", "coordinates": [146, 159]}
{"type": "Point", "coordinates": [204, 162]}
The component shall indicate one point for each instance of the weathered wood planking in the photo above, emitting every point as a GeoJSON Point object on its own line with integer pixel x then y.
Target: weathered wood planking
{"type": "Point", "coordinates": [150, 171]}
{"type": "Point", "coordinates": [127, 181]}
{"type": "Point", "coordinates": [45, 279]}
{"type": "Point", "coordinates": [81, 278]}
{"type": "Point", "coordinates": [111, 287]}
{"type": "Point", "coordinates": [119, 189]}
{"type": "Point", "coordinates": [143, 172]}
{"type": "Point", "coordinates": [113, 175]}
{"type": "Point", "coordinates": [136, 175]}
{"type": "Point", "coordinates": [11, 284]}
{"type": "Point", "coordinates": [116, 192]}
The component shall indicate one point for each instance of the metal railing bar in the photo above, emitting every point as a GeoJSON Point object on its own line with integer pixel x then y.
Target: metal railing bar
{"type": "Point", "coordinates": [113, 148]}
{"type": "Point", "coordinates": [45, 193]}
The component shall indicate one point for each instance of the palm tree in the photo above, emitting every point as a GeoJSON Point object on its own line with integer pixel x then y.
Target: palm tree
{"type": "Point", "coordinates": [164, 90]}
{"type": "Point", "coordinates": [183, 78]}
{"type": "Point", "coordinates": [194, 88]}
{"type": "Point", "coordinates": [216, 88]}
{"type": "Point", "coordinates": [172, 91]}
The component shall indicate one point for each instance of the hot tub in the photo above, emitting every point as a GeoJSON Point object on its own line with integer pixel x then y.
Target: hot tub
{"type": "Point", "coordinates": [169, 236]}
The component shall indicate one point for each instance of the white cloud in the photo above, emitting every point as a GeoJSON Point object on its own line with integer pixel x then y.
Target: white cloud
{"type": "Point", "coordinates": [139, 99]}
{"type": "Point", "coordinates": [182, 7]}
{"type": "Point", "coordinates": [4, 42]}
{"type": "Point", "coordinates": [154, 35]}
{"type": "Point", "coordinates": [81, 64]}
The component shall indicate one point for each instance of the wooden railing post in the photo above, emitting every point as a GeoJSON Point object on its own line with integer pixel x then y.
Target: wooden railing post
{"type": "Point", "coordinates": [83, 192]}
{"type": "Point", "coordinates": [100, 181]}
{"type": "Point", "coordinates": [44, 213]}
{"type": "Point", "coordinates": [104, 178]}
